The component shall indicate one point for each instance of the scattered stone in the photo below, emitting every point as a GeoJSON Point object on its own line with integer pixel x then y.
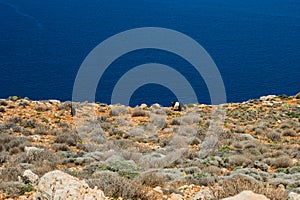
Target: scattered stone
{"type": "Point", "coordinates": [205, 194]}
{"type": "Point", "coordinates": [60, 185]}
{"type": "Point", "coordinates": [247, 195]}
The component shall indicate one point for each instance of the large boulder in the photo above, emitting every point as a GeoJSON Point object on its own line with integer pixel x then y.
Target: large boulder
{"type": "Point", "coordinates": [247, 195]}
{"type": "Point", "coordinates": [57, 185]}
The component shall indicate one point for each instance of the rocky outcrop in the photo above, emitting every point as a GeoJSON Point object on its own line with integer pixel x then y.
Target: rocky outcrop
{"type": "Point", "coordinates": [31, 177]}
{"type": "Point", "coordinates": [247, 195]}
{"type": "Point", "coordinates": [59, 185]}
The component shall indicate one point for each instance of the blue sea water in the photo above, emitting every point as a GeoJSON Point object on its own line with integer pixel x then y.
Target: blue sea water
{"type": "Point", "coordinates": [255, 45]}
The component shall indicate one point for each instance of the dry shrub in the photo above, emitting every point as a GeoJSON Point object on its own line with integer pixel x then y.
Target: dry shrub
{"type": "Point", "coordinates": [151, 179]}
{"type": "Point", "coordinates": [70, 139]}
{"type": "Point", "coordinates": [213, 170]}
{"type": "Point", "coordinates": [42, 161]}
{"type": "Point", "coordinates": [13, 188]}
{"type": "Point", "coordinates": [289, 132]}
{"type": "Point", "coordinates": [60, 147]}
{"type": "Point", "coordinates": [116, 186]}
{"type": "Point", "coordinates": [274, 135]}
{"type": "Point", "coordinates": [259, 131]}
{"type": "Point", "coordinates": [10, 174]}
{"type": "Point", "coordinates": [138, 112]}
{"type": "Point", "coordinates": [3, 103]}
{"type": "Point", "coordinates": [285, 125]}
{"type": "Point", "coordinates": [282, 162]}
{"type": "Point", "coordinates": [235, 185]}
{"type": "Point", "coordinates": [239, 160]}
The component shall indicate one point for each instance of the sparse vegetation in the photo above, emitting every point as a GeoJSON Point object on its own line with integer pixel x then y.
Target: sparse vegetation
{"type": "Point", "coordinates": [127, 152]}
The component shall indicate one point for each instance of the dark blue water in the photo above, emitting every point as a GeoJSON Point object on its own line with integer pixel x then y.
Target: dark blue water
{"type": "Point", "coordinates": [255, 45]}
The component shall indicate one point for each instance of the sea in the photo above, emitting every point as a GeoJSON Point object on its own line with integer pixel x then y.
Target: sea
{"type": "Point", "coordinates": [254, 43]}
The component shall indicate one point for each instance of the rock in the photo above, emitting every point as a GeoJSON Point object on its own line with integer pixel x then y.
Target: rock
{"type": "Point", "coordinates": [266, 103]}
{"type": "Point", "coordinates": [26, 165]}
{"type": "Point", "coordinates": [168, 130]}
{"type": "Point", "coordinates": [297, 96]}
{"type": "Point", "coordinates": [35, 138]}
{"type": "Point", "coordinates": [294, 196]}
{"type": "Point", "coordinates": [205, 194]}
{"type": "Point", "coordinates": [52, 101]}
{"type": "Point", "coordinates": [24, 102]}
{"type": "Point", "coordinates": [155, 106]}
{"type": "Point", "coordinates": [246, 137]}
{"type": "Point", "coordinates": [2, 195]}
{"type": "Point", "coordinates": [31, 177]}
{"type": "Point", "coordinates": [143, 106]}
{"type": "Point", "coordinates": [176, 197]}
{"type": "Point", "coordinates": [60, 185]}
{"type": "Point", "coordinates": [247, 195]}
{"type": "Point", "coordinates": [14, 98]}
{"type": "Point", "coordinates": [261, 165]}
{"type": "Point", "coordinates": [158, 189]}
{"type": "Point", "coordinates": [267, 98]}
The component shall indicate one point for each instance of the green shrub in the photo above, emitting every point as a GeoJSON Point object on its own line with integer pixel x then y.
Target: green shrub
{"type": "Point", "coordinates": [123, 168]}
{"type": "Point", "coordinates": [13, 188]}
{"type": "Point", "coordinates": [225, 148]}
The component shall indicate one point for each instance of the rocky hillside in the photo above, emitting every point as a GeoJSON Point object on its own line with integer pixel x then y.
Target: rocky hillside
{"type": "Point", "coordinates": [150, 152]}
